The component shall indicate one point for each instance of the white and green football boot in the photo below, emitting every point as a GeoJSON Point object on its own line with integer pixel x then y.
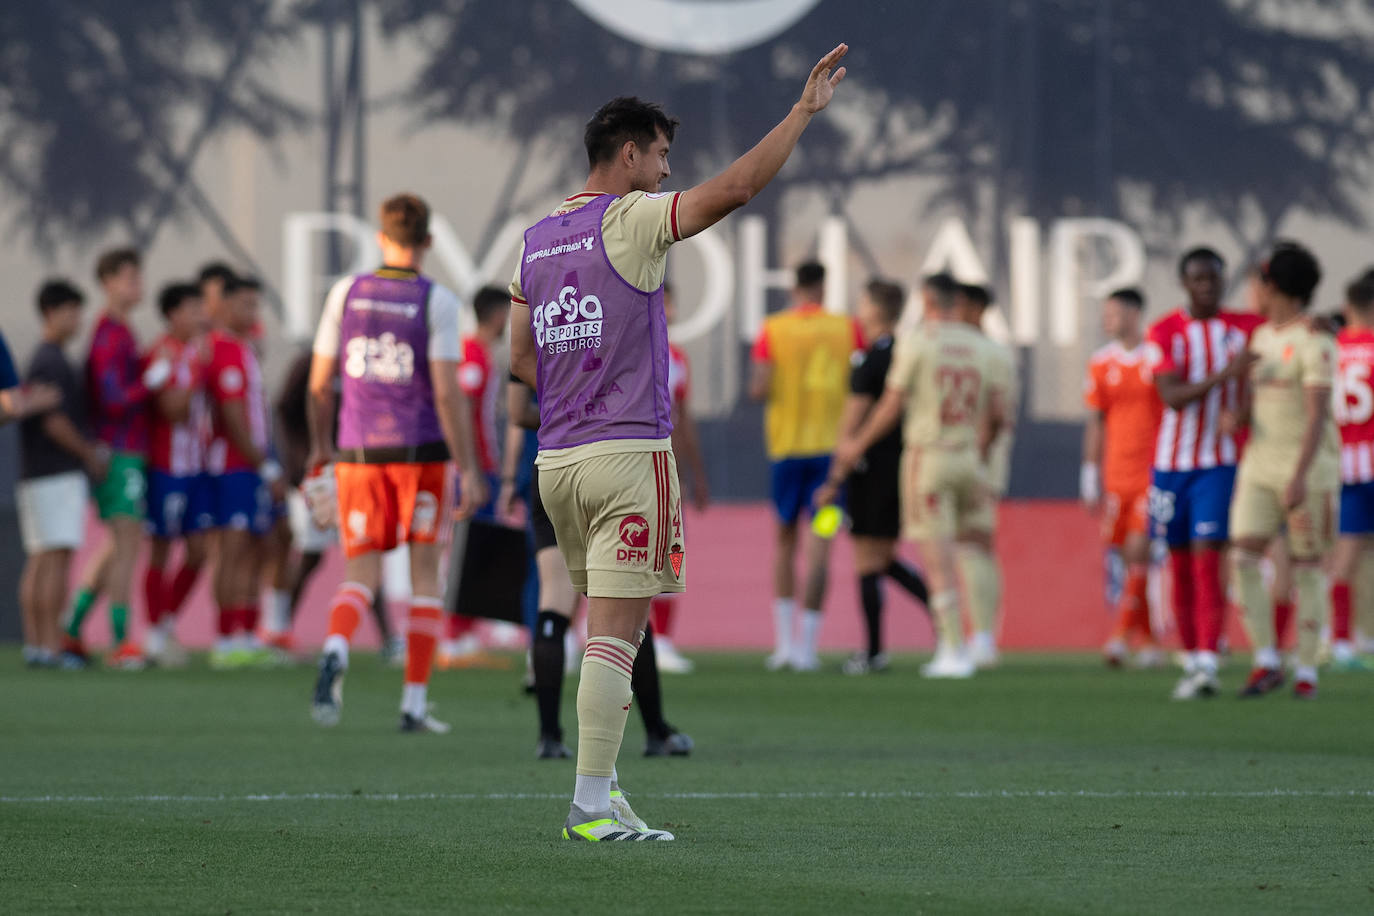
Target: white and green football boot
{"type": "Point", "coordinates": [605, 828]}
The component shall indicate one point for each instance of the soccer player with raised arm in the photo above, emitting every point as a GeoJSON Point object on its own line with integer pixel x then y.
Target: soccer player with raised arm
{"type": "Point", "coordinates": [1290, 473]}
{"type": "Point", "coordinates": [392, 337]}
{"type": "Point", "coordinates": [1354, 411]}
{"type": "Point", "coordinates": [588, 331]}
{"type": "Point", "coordinates": [952, 384]}
{"type": "Point", "coordinates": [1198, 356]}
{"type": "Point", "coordinates": [1118, 448]}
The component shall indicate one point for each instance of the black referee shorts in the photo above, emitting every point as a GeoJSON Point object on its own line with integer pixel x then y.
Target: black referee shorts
{"type": "Point", "coordinates": [874, 496]}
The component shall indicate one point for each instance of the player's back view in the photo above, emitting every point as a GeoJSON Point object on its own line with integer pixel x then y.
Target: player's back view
{"type": "Point", "coordinates": [394, 335]}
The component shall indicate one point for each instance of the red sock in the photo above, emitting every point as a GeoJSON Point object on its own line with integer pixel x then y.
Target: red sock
{"type": "Point", "coordinates": [1181, 572]}
{"type": "Point", "coordinates": [226, 621]}
{"type": "Point", "coordinates": [350, 603]}
{"type": "Point", "coordinates": [154, 595]}
{"type": "Point", "coordinates": [1210, 600]}
{"type": "Point", "coordinates": [422, 638]}
{"type": "Point", "coordinates": [459, 625]}
{"type": "Point", "coordinates": [251, 616]}
{"type": "Point", "coordinates": [1135, 603]}
{"type": "Point", "coordinates": [661, 615]}
{"type": "Point", "coordinates": [174, 594]}
{"type": "Point", "coordinates": [1283, 622]}
{"type": "Point", "coordinates": [1340, 612]}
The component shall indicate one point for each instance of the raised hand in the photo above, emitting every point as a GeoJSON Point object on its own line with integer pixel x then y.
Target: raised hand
{"type": "Point", "coordinates": [820, 86]}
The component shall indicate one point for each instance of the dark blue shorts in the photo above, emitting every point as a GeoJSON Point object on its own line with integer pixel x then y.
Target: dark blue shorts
{"type": "Point", "coordinates": [795, 482]}
{"type": "Point", "coordinates": [1357, 509]}
{"type": "Point", "coordinates": [178, 506]}
{"type": "Point", "coordinates": [1187, 506]}
{"type": "Point", "coordinates": [242, 502]}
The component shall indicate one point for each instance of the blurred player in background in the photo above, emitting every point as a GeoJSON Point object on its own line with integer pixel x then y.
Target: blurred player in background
{"type": "Point", "coordinates": [180, 501]}
{"type": "Point", "coordinates": [118, 393]}
{"type": "Point", "coordinates": [1198, 357]}
{"type": "Point", "coordinates": [392, 337]}
{"type": "Point", "coordinates": [687, 451]}
{"type": "Point", "coordinates": [215, 280]}
{"type": "Point", "coordinates": [800, 366]}
{"type": "Point", "coordinates": [20, 401]}
{"type": "Point", "coordinates": [245, 479]}
{"type": "Point", "coordinates": [55, 457]}
{"type": "Point", "coordinates": [952, 384]}
{"type": "Point", "coordinates": [978, 564]}
{"type": "Point", "coordinates": [1118, 448]}
{"type": "Point", "coordinates": [311, 538]}
{"type": "Point", "coordinates": [597, 355]}
{"type": "Point", "coordinates": [1354, 413]}
{"type": "Point", "coordinates": [480, 379]}
{"type": "Point", "coordinates": [1290, 473]}
{"type": "Point", "coordinates": [873, 488]}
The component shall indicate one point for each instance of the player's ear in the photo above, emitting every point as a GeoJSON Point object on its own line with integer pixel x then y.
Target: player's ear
{"type": "Point", "coordinates": [630, 152]}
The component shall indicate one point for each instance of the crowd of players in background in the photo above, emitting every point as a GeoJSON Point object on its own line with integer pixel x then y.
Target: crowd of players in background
{"type": "Point", "coordinates": [176, 443]}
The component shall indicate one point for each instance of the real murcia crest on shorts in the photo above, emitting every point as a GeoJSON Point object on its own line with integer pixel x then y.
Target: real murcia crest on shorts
{"type": "Point", "coordinates": [675, 557]}
{"type": "Point", "coordinates": [426, 513]}
{"type": "Point", "coordinates": [634, 539]}
{"type": "Point", "coordinates": [357, 526]}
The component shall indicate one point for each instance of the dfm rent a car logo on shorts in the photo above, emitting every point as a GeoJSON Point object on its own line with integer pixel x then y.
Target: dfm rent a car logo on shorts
{"type": "Point", "coordinates": [634, 536]}
{"type": "Point", "coordinates": [568, 323]}
{"type": "Point", "coordinates": [379, 359]}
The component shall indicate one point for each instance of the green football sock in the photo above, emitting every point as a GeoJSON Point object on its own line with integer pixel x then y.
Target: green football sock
{"type": "Point", "coordinates": [81, 606]}
{"type": "Point", "coordinates": [119, 622]}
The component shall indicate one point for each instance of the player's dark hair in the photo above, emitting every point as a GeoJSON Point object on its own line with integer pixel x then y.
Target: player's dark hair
{"type": "Point", "coordinates": [244, 281]}
{"type": "Point", "coordinates": [56, 293]}
{"type": "Point", "coordinates": [1360, 291]}
{"type": "Point", "coordinates": [405, 220]}
{"type": "Point", "coordinates": [1201, 253]}
{"type": "Point", "coordinates": [175, 295]}
{"type": "Point", "coordinates": [889, 297]}
{"type": "Point", "coordinates": [976, 293]}
{"type": "Point", "coordinates": [621, 120]}
{"type": "Point", "coordinates": [116, 259]}
{"type": "Point", "coordinates": [488, 300]}
{"type": "Point", "coordinates": [810, 275]}
{"type": "Point", "coordinates": [215, 270]}
{"type": "Point", "coordinates": [1129, 295]}
{"type": "Point", "coordinates": [943, 286]}
{"type": "Point", "coordinates": [1293, 270]}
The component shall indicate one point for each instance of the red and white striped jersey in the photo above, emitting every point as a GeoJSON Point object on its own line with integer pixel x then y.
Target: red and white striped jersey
{"type": "Point", "coordinates": [178, 448]}
{"type": "Point", "coordinates": [1353, 404]}
{"type": "Point", "coordinates": [679, 375]}
{"type": "Point", "coordinates": [1192, 349]}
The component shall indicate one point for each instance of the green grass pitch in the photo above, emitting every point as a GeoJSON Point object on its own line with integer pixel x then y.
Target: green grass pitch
{"type": "Point", "coordinates": [1048, 786]}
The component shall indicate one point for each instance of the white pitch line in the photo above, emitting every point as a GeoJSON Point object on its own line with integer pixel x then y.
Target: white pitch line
{"type": "Point", "coordinates": [690, 796]}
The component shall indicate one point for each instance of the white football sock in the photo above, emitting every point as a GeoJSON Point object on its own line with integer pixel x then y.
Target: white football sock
{"type": "Point", "coordinates": [279, 611]}
{"type": "Point", "coordinates": [810, 631]}
{"type": "Point", "coordinates": [592, 793]}
{"type": "Point", "coordinates": [415, 700]}
{"type": "Point", "coordinates": [339, 646]}
{"type": "Point", "coordinates": [783, 609]}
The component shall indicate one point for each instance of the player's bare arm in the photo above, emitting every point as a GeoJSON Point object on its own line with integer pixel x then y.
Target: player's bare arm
{"type": "Point", "coordinates": [524, 361]}
{"type": "Point", "coordinates": [992, 424]}
{"type": "Point", "coordinates": [708, 203]}
{"type": "Point", "coordinates": [321, 408]}
{"type": "Point", "coordinates": [1317, 407]}
{"type": "Point", "coordinates": [454, 411]}
{"type": "Point", "coordinates": [687, 446]}
{"type": "Point", "coordinates": [522, 415]}
{"type": "Point", "coordinates": [60, 429]}
{"type": "Point", "coordinates": [760, 379]}
{"type": "Point", "coordinates": [882, 420]}
{"type": "Point", "coordinates": [1089, 483]}
{"type": "Point", "coordinates": [174, 403]}
{"type": "Point", "coordinates": [1178, 394]}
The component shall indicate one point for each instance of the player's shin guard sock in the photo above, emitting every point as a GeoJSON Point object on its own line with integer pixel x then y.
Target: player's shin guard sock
{"type": "Point", "coordinates": [154, 595]}
{"type": "Point", "coordinates": [871, 597]}
{"type": "Point", "coordinates": [783, 611]}
{"type": "Point", "coordinates": [645, 684]}
{"type": "Point", "coordinates": [1313, 609]}
{"type": "Point", "coordinates": [908, 578]}
{"type": "Point", "coordinates": [548, 654]}
{"type": "Point", "coordinates": [279, 611]}
{"type": "Point", "coordinates": [422, 637]}
{"type": "Point", "coordinates": [178, 587]}
{"type": "Point", "coordinates": [1210, 598]}
{"type": "Point", "coordinates": [350, 603]}
{"type": "Point", "coordinates": [944, 606]}
{"type": "Point", "coordinates": [1255, 602]}
{"type": "Point", "coordinates": [1181, 576]}
{"type": "Point", "coordinates": [119, 622]}
{"type": "Point", "coordinates": [811, 632]}
{"type": "Point", "coordinates": [250, 615]}
{"type": "Point", "coordinates": [983, 580]}
{"type": "Point", "coordinates": [603, 703]}
{"type": "Point", "coordinates": [1283, 623]}
{"type": "Point", "coordinates": [81, 606]}
{"type": "Point", "coordinates": [661, 616]}
{"type": "Point", "coordinates": [1135, 602]}
{"type": "Point", "coordinates": [1340, 612]}
{"type": "Point", "coordinates": [459, 625]}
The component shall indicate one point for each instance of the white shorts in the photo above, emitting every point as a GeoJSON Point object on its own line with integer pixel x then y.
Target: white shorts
{"type": "Point", "coordinates": [52, 511]}
{"type": "Point", "coordinates": [309, 537]}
